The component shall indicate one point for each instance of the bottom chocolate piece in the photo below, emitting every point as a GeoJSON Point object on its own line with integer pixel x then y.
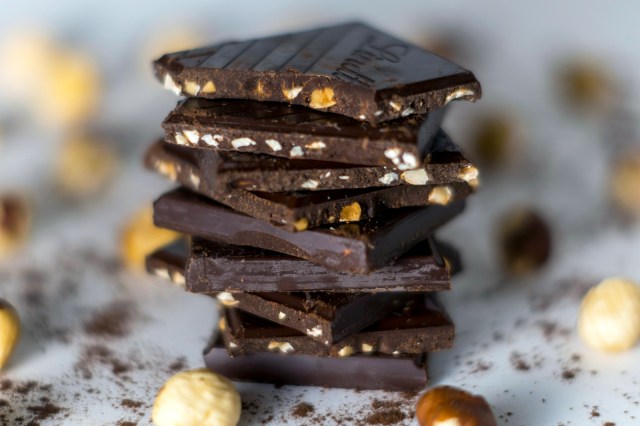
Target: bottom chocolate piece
{"type": "Point", "coordinates": [394, 373]}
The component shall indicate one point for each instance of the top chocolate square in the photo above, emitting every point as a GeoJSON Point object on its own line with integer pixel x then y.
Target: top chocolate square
{"type": "Point", "coordinates": [350, 69]}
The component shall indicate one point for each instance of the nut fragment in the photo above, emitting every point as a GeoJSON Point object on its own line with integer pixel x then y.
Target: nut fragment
{"type": "Point", "coordinates": [273, 144]}
{"type": "Point", "coordinates": [227, 299]}
{"type": "Point", "coordinates": [625, 184]}
{"type": "Point", "coordinates": [9, 331]}
{"type": "Point", "coordinates": [609, 318]}
{"type": "Point", "coordinates": [388, 178]}
{"type": "Point", "coordinates": [291, 93]}
{"type": "Point", "coordinates": [524, 241]}
{"type": "Point", "coordinates": [166, 169]}
{"type": "Point", "coordinates": [449, 406]}
{"type": "Point", "coordinates": [84, 166]}
{"type": "Point", "coordinates": [322, 98]}
{"type": "Point", "coordinates": [140, 237]}
{"type": "Point", "coordinates": [415, 177]}
{"type": "Point", "coordinates": [197, 398]}
{"type": "Point", "coordinates": [441, 195]}
{"type": "Point", "coordinates": [346, 351]}
{"type": "Point", "coordinates": [301, 224]}
{"type": "Point", "coordinates": [15, 223]}
{"type": "Point", "coordinates": [351, 212]}
{"type": "Point", "coordinates": [191, 88]}
{"type": "Point", "coordinates": [208, 87]}
{"type": "Point", "coordinates": [282, 347]}
{"type": "Point", "coordinates": [242, 142]}
{"type": "Point", "coordinates": [310, 184]}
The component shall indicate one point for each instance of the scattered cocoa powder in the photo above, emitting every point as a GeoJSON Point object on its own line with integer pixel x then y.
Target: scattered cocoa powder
{"type": "Point", "coordinates": [303, 409]}
{"type": "Point", "coordinates": [112, 321]}
{"type": "Point", "coordinates": [385, 417]}
{"type": "Point", "coordinates": [131, 404]}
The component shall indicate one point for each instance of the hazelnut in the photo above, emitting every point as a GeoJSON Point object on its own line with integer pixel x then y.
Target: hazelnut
{"type": "Point", "coordinates": [415, 177]}
{"type": "Point", "coordinates": [441, 195]}
{"type": "Point", "coordinates": [301, 224]}
{"type": "Point", "coordinates": [73, 89]}
{"type": "Point", "coordinates": [197, 398]}
{"type": "Point", "coordinates": [140, 237]}
{"type": "Point", "coordinates": [84, 166]}
{"type": "Point", "coordinates": [322, 98]}
{"type": "Point", "coordinates": [351, 212]}
{"type": "Point", "coordinates": [625, 184]}
{"type": "Point", "coordinates": [449, 406]}
{"type": "Point", "coordinates": [585, 86]}
{"type": "Point", "coordinates": [524, 241]}
{"type": "Point", "coordinates": [15, 223]}
{"type": "Point", "coordinates": [9, 330]}
{"type": "Point", "coordinates": [496, 139]}
{"type": "Point", "coordinates": [609, 318]}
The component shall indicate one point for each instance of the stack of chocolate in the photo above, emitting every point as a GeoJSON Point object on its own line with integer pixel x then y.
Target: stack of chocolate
{"type": "Point", "coordinates": [313, 176]}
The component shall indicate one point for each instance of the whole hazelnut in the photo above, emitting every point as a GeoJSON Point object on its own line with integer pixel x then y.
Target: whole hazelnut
{"type": "Point", "coordinates": [586, 86]}
{"type": "Point", "coordinates": [197, 398]}
{"type": "Point", "coordinates": [449, 406]}
{"type": "Point", "coordinates": [524, 241]}
{"type": "Point", "coordinates": [625, 184]}
{"type": "Point", "coordinates": [84, 166]}
{"type": "Point", "coordinates": [140, 237]}
{"type": "Point", "coordinates": [609, 318]}
{"type": "Point", "coordinates": [496, 139]}
{"type": "Point", "coordinates": [15, 223]}
{"type": "Point", "coordinates": [9, 330]}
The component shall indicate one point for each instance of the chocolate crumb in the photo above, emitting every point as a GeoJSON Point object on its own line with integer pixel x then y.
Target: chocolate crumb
{"type": "Point", "coordinates": [518, 362]}
{"type": "Point", "coordinates": [129, 403]}
{"type": "Point", "coordinates": [45, 411]}
{"type": "Point", "coordinates": [303, 409]}
{"type": "Point", "coordinates": [386, 417]}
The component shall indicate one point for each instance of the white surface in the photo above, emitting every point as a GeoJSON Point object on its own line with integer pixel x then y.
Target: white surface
{"type": "Point", "coordinates": [515, 47]}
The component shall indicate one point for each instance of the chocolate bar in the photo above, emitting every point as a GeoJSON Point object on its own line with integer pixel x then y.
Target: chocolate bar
{"type": "Point", "coordinates": [300, 133]}
{"type": "Point", "coordinates": [215, 267]}
{"type": "Point", "coordinates": [352, 247]}
{"type": "Point", "coordinates": [417, 326]}
{"type": "Point", "coordinates": [444, 177]}
{"type": "Point", "coordinates": [350, 69]}
{"type": "Point", "coordinates": [324, 317]}
{"type": "Point", "coordinates": [384, 372]}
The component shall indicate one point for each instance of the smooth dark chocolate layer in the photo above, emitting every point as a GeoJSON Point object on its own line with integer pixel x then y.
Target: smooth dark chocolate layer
{"type": "Point", "coordinates": [299, 133]}
{"type": "Point", "coordinates": [418, 326]}
{"type": "Point", "coordinates": [351, 69]}
{"type": "Point", "coordinates": [352, 247]}
{"type": "Point", "coordinates": [215, 267]}
{"type": "Point", "coordinates": [384, 372]}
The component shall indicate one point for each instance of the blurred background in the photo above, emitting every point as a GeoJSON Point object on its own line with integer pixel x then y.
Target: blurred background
{"type": "Point", "coordinates": [555, 135]}
{"type": "Point", "coordinates": [79, 104]}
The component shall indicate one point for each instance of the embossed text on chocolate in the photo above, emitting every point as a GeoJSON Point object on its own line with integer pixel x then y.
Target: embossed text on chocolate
{"type": "Point", "coordinates": [354, 67]}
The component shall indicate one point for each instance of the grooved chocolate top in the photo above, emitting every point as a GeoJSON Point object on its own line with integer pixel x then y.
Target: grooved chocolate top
{"type": "Point", "coordinates": [352, 69]}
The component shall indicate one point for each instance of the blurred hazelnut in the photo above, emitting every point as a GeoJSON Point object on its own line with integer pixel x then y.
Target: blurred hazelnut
{"type": "Point", "coordinates": [197, 398]}
{"type": "Point", "coordinates": [140, 237]}
{"type": "Point", "coordinates": [84, 166]}
{"type": "Point", "coordinates": [585, 85]}
{"type": "Point", "coordinates": [449, 406]}
{"type": "Point", "coordinates": [625, 184]}
{"type": "Point", "coordinates": [25, 58]}
{"type": "Point", "coordinates": [9, 330]}
{"type": "Point", "coordinates": [496, 139]}
{"type": "Point", "coordinates": [609, 318]}
{"type": "Point", "coordinates": [15, 223]}
{"type": "Point", "coordinates": [71, 91]}
{"type": "Point", "coordinates": [524, 240]}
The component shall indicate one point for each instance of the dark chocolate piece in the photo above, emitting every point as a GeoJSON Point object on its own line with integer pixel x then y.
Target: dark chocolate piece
{"type": "Point", "coordinates": [324, 317]}
{"type": "Point", "coordinates": [351, 69]}
{"type": "Point", "coordinates": [384, 372]}
{"type": "Point", "coordinates": [298, 210]}
{"type": "Point", "coordinates": [215, 267]}
{"type": "Point", "coordinates": [353, 247]}
{"type": "Point", "coordinates": [418, 326]}
{"type": "Point", "coordinates": [300, 133]}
